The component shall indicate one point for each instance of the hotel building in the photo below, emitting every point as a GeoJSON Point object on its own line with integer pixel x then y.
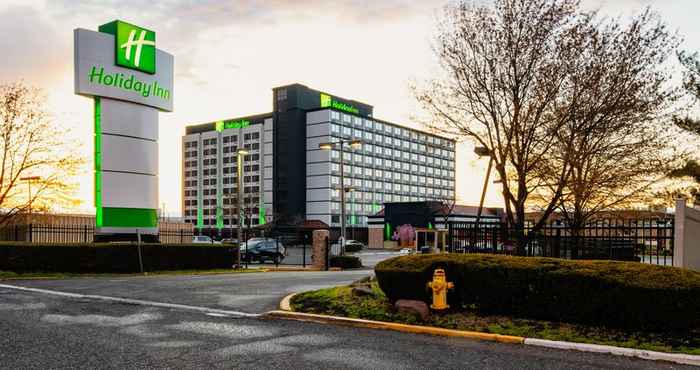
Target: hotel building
{"type": "Point", "coordinates": [287, 177]}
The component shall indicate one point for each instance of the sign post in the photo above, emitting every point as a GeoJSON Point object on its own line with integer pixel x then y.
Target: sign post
{"type": "Point", "coordinates": [130, 81]}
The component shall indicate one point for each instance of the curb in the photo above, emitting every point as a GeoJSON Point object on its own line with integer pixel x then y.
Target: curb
{"type": "Point", "coordinates": [285, 303]}
{"type": "Point", "coordinates": [291, 269]}
{"type": "Point", "coordinates": [416, 329]}
{"type": "Point", "coordinates": [287, 314]}
{"type": "Point", "coordinates": [678, 358]}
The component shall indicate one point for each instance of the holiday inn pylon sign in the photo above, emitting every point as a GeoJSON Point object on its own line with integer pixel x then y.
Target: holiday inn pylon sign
{"type": "Point", "coordinates": [130, 81]}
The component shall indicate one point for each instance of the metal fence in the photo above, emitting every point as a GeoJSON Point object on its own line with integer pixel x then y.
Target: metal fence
{"type": "Point", "coordinates": [646, 240]}
{"type": "Point", "coordinates": [38, 233]}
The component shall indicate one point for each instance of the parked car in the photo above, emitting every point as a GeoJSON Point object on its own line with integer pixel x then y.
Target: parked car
{"type": "Point", "coordinates": [229, 241]}
{"type": "Point", "coordinates": [353, 246]}
{"type": "Point", "coordinates": [261, 250]}
{"type": "Point", "coordinates": [202, 239]}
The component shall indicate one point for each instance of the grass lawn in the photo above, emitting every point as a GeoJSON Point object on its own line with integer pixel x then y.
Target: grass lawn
{"type": "Point", "coordinates": [340, 301]}
{"type": "Point", "coordinates": [8, 275]}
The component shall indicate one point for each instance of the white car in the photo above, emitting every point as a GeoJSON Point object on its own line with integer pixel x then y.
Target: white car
{"type": "Point", "coordinates": [203, 239]}
{"type": "Point", "coordinates": [405, 251]}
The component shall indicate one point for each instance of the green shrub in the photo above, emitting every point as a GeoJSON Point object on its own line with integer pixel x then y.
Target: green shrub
{"type": "Point", "coordinates": [628, 295]}
{"type": "Point", "coordinates": [114, 258]}
{"type": "Point", "coordinates": [345, 262]}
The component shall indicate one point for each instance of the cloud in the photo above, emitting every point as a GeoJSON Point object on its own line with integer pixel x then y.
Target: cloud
{"type": "Point", "coordinates": [32, 50]}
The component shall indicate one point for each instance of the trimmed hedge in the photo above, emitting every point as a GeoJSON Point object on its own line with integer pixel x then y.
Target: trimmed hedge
{"type": "Point", "coordinates": [345, 262]}
{"type": "Point", "coordinates": [628, 295]}
{"type": "Point", "coordinates": [114, 258]}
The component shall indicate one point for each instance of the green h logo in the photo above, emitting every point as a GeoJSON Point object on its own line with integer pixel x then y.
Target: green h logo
{"type": "Point", "coordinates": [135, 47]}
{"type": "Point", "coordinates": [326, 100]}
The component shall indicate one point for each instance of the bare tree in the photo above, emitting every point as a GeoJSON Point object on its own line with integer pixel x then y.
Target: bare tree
{"type": "Point", "coordinates": [620, 105]}
{"type": "Point", "coordinates": [32, 146]}
{"type": "Point", "coordinates": [528, 80]}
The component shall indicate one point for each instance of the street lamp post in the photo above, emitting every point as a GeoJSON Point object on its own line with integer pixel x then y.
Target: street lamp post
{"type": "Point", "coordinates": [483, 151]}
{"type": "Point", "coordinates": [239, 155]}
{"type": "Point", "coordinates": [29, 180]}
{"type": "Point", "coordinates": [353, 144]}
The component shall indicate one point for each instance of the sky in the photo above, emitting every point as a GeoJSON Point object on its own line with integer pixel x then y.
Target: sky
{"type": "Point", "coordinates": [230, 54]}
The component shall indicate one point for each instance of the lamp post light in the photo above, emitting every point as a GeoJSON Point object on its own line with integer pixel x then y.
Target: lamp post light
{"type": "Point", "coordinates": [353, 144]}
{"type": "Point", "coordinates": [239, 155]}
{"type": "Point", "coordinates": [29, 180]}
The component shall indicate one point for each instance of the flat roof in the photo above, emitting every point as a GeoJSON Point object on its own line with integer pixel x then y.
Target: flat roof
{"type": "Point", "coordinates": [211, 126]}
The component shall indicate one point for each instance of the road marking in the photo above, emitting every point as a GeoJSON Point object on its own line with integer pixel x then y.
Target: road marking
{"type": "Point", "coordinates": [139, 302]}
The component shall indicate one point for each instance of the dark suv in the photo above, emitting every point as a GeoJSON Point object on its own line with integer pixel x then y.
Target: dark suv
{"type": "Point", "coordinates": [261, 250]}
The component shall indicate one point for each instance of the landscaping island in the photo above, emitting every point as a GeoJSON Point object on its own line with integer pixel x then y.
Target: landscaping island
{"type": "Point", "coordinates": [597, 302]}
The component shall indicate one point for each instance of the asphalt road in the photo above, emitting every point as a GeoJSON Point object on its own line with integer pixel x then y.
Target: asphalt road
{"type": "Point", "coordinates": [250, 293]}
{"type": "Point", "coordinates": [41, 331]}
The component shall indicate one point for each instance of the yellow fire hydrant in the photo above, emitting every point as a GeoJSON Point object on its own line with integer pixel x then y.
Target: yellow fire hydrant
{"type": "Point", "coordinates": [440, 286]}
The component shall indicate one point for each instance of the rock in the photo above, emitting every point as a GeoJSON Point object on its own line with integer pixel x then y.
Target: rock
{"type": "Point", "coordinates": [418, 308]}
{"type": "Point", "coordinates": [362, 290]}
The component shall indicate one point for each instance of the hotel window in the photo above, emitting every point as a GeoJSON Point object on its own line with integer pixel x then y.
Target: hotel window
{"type": "Point", "coordinates": [335, 116]}
{"type": "Point", "coordinates": [387, 129]}
{"type": "Point", "coordinates": [379, 173]}
{"type": "Point", "coordinates": [368, 136]}
{"type": "Point", "coordinates": [335, 128]}
{"type": "Point", "coordinates": [335, 167]}
{"type": "Point", "coordinates": [347, 118]}
{"type": "Point", "coordinates": [335, 180]}
{"type": "Point", "coordinates": [368, 124]}
{"type": "Point", "coordinates": [378, 126]}
{"type": "Point", "coordinates": [335, 193]}
{"type": "Point", "coordinates": [347, 131]}
{"type": "Point", "coordinates": [335, 154]}
{"type": "Point", "coordinates": [357, 121]}
{"type": "Point", "coordinates": [388, 152]}
{"type": "Point", "coordinates": [357, 133]}
{"type": "Point", "coordinates": [387, 140]}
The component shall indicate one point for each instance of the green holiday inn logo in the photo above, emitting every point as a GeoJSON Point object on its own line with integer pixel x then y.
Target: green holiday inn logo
{"type": "Point", "coordinates": [135, 47]}
{"type": "Point", "coordinates": [327, 101]}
